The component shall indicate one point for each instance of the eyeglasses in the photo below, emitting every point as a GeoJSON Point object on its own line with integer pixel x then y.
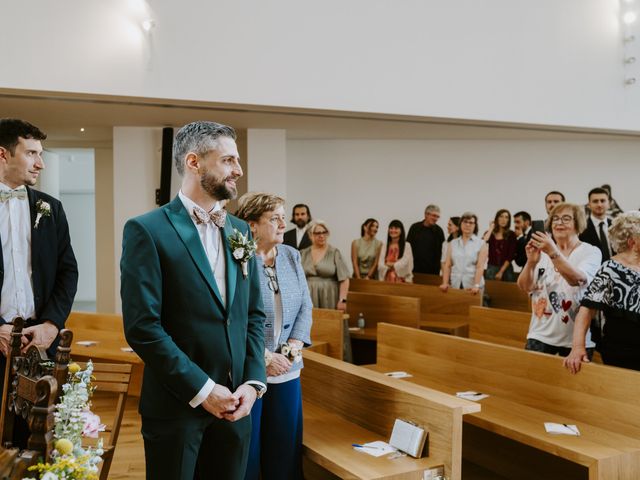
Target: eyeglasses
{"type": "Point", "coordinates": [469, 222]}
{"type": "Point", "coordinates": [273, 280]}
{"type": "Point", "coordinates": [564, 219]}
{"type": "Point", "coordinates": [318, 234]}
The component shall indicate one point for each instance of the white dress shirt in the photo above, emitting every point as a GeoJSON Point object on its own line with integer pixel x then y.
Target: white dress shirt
{"type": "Point", "coordinates": [300, 234]}
{"type": "Point", "coordinates": [15, 233]}
{"type": "Point", "coordinates": [596, 223]}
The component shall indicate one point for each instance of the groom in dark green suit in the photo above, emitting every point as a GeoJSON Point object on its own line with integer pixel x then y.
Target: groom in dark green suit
{"type": "Point", "coordinates": [194, 317]}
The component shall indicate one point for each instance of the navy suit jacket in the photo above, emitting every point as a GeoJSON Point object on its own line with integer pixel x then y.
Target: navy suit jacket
{"type": "Point", "coordinates": [54, 271]}
{"type": "Point", "coordinates": [591, 236]}
{"type": "Point", "coordinates": [291, 239]}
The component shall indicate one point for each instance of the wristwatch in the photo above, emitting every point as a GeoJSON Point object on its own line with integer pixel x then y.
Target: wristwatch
{"type": "Point", "coordinates": [260, 390]}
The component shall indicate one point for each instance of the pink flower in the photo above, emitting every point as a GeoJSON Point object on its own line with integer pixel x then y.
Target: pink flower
{"type": "Point", "coordinates": [92, 426]}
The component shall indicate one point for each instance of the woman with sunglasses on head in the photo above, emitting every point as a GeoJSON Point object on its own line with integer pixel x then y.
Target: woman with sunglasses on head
{"type": "Point", "coordinates": [326, 271]}
{"type": "Point", "coordinates": [556, 276]}
{"type": "Point", "coordinates": [396, 258]}
{"type": "Point", "coordinates": [276, 439]}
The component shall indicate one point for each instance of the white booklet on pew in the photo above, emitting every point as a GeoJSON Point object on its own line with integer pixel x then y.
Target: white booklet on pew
{"type": "Point", "coordinates": [375, 449]}
{"type": "Point", "coordinates": [561, 429]}
{"type": "Point", "coordinates": [471, 395]}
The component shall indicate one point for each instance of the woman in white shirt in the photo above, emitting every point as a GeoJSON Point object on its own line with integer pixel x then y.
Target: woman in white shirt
{"type": "Point", "coordinates": [556, 275]}
{"type": "Point", "coordinates": [395, 263]}
{"type": "Point", "coordinates": [466, 258]}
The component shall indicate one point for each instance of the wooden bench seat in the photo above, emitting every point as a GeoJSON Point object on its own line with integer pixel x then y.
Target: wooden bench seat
{"type": "Point", "coordinates": [346, 404]}
{"type": "Point", "coordinates": [525, 390]}
{"type": "Point", "coordinates": [495, 325]}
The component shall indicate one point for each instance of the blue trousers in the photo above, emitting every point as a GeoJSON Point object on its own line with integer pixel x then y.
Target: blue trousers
{"type": "Point", "coordinates": [276, 435]}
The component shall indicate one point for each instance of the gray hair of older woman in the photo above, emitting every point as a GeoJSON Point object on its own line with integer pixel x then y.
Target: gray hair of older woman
{"type": "Point", "coordinates": [625, 226]}
{"type": "Point", "coordinates": [317, 223]}
{"type": "Point", "coordinates": [252, 205]}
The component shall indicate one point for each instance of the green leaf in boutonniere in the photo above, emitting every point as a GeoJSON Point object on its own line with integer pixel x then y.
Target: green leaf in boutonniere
{"type": "Point", "coordinates": [43, 209]}
{"type": "Point", "coordinates": [242, 249]}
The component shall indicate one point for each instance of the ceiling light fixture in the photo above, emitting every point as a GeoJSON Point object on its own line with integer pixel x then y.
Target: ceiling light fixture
{"type": "Point", "coordinates": [629, 17]}
{"type": "Point", "coordinates": [148, 24]}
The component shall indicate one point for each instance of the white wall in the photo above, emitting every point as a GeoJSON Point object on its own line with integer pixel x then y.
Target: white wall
{"type": "Point", "coordinates": [346, 181]}
{"type": "Point", "coordinates": [267, 154]}
{"type": "Point", "coordinates": [547, 61]}
{"type": "Point", "coordinates": [136, 175]}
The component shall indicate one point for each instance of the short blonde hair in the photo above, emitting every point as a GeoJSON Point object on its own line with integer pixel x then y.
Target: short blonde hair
{"type": "Point", "coordinates": [625, 226]}
{"type": "Point", "coordinates": [252, 205]}
{"type": "Point", "coordinates": [317, 223]}
{"type": "Point", "coordinates": [579, 219]}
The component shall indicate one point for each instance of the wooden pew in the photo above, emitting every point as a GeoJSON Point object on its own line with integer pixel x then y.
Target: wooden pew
{"type": "Point", "coordinates": [504, 295]}
{"type": "Point", "coordinates": [525, 390]}
{"type": "Point", "coordinates": [329, 328]}
{"type": "Point", "coordinates": [507, 295]}
{"type": "Point", "coordinates": [433, 300]}
{"type": "Point", "coordinates": [106, 329]}
{"type": "Point", "coordinates": [503, 327]}
{"type": "Point", "coordinates": [345, 404]}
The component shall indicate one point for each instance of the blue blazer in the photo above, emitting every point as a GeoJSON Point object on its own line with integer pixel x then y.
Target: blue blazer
{"type": "Point", "coordinates": [296, 301]}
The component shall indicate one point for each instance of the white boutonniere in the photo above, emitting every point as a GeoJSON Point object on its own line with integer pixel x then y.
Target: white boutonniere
{"type": "Point", "coordinates": [242, 249]}
{"type": "Point", "coordinates": [43, 209]}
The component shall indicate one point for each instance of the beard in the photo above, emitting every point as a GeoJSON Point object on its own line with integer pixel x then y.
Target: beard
{"type": "Point", "coordinates": [300, 223]}
{"type": "Point", "coordinates": [216, 187]}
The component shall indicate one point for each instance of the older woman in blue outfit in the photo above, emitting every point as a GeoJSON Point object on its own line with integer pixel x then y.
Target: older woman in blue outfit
{"type": "Point", "coordinates": [276, 439]}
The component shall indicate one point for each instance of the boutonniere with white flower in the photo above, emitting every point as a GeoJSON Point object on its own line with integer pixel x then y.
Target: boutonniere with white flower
{"type": "Point", "coordinates": [292, 353]}
{"type": "Point", "coordinates": [242, 250]}
{"type": "Point", "coordinates": [43, 209]}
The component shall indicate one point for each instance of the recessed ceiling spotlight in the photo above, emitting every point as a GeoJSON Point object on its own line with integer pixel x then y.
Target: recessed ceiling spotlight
{"type": "Point", "coordinates": [629, 17]}
{"type": "Point", "coordinates": [148, 24]}
{"type": "Point", "coordinates": [82, 129]}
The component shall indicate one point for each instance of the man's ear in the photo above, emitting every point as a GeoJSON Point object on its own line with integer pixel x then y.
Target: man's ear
{"type": "Point", "coordinates": [192, 162]}
{"type": "Point", "coordinates": [4, 153]}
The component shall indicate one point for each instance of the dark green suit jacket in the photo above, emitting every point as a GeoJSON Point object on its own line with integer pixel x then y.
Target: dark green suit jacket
{"type": "Point", "coordinates": [174, 318]}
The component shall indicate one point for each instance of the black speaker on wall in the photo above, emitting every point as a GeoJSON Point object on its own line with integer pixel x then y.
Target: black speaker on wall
{"type": "Point", "coordinates": [163, 193]}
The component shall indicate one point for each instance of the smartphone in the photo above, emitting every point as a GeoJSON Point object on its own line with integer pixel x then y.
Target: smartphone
{"type": "Point", "coordinates": [537, 226]}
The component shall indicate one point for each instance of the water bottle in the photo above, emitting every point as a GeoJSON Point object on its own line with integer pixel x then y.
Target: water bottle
{"type": "Point", "coordinates": [360, 320]}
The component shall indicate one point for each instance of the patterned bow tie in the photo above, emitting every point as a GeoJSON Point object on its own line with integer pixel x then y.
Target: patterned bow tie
{"type": "Point", "coordinates": [219, 217]}
{"type": "Point", "coordinates": [20, 193]}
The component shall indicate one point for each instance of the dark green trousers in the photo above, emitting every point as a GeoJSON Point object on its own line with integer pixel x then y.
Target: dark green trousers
{"type": "Point", "coordinates": [202, 447]}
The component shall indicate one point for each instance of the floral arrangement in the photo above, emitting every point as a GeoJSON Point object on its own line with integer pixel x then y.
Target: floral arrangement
{"type": "Point", "coordinates": [43, 209]}
{"type": "Point", "coordinates": [243, 249]}
{"type": "Point", "coordinates": [74, 421]}
{"type": "Point", "coordinates": [292, 353]}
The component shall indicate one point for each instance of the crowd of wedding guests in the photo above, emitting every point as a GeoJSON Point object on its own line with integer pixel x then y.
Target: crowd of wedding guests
{"type": "Point", "coordinates": [580, 265]}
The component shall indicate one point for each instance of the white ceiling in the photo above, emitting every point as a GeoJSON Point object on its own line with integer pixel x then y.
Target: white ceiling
{"type": "Point", "coordinates": [62, 115]}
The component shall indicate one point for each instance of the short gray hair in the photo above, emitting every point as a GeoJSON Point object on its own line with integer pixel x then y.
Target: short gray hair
{"type": "Point", "coordinates": [200, 138]}
{"type": "Point", "coordinates": [253, 204]}
{"type": "Point", "coordinates": [625, 226]}
{"type": "Point", "coordinates": [432, 208]}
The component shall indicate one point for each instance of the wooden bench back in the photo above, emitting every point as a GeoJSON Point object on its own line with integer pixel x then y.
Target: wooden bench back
{"type": "Point", "coordinates": [433, 300]}
{"type": "Point", "coordinates": [328, 326]}
{"type": "Point", "coordinates": [383, 308]}
{"type": "Point", "coordinates": [504, 327]}
{"type": "Point", "coordinates": [599, 395]}
{"type": "Point", "coordinates": [373, 401]}
{"type": "Point", "coordinates": [507, 295]}
{"type": "Point", "coordinates": [95, 321]}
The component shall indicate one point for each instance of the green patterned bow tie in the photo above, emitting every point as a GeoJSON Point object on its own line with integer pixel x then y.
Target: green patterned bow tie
{"type": "Point", "coordinates": [20, 193]}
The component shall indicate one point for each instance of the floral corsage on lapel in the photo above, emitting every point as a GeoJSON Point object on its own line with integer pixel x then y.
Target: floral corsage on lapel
{"type": "Point", "coordinates": [43, 209]}
{"type": "Point", "coordinates": [242, 249]}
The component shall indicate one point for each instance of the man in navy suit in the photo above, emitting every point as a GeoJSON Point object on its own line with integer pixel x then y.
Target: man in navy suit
{"type": "Point", "coordinates": [298, 237]}
{"type": "Point", "coordinates": [38, 270]}
{"type": "Point", "coordinates": [597, 231]}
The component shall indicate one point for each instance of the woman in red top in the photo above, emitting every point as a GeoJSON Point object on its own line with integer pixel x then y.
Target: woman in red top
{"type": "Point", "coordinates": [502, 248]}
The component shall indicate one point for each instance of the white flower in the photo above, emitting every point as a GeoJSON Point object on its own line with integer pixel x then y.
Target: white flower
{"type": "Point", "coordinates": [92, 426]}
{"type": "Point", "coordinates": [49, 476]}
{"type": "Point", "coordinates": [238, 253]}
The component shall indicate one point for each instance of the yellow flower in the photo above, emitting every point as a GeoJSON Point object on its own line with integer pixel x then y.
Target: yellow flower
{"type": "Point", "coordinates": [74, 368]}
{"type": "Point", "coordinates": [64, 446]}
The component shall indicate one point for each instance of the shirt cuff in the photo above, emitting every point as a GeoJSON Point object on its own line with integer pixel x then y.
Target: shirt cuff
{"type": "Point", "coordinates": [256, 382]}
{"type": "Point", "coordinates": [202, 394]}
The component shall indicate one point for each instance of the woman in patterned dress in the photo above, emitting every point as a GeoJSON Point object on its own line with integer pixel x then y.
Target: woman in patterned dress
{"type": "Point", "coordinates": [615, 291]}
